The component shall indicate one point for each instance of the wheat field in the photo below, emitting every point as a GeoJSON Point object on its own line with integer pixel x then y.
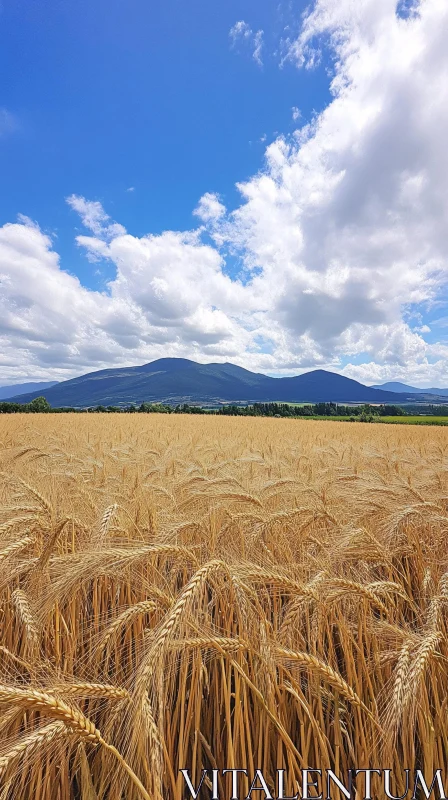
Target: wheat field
{"type": "Point", "coordinates": [210, 593]}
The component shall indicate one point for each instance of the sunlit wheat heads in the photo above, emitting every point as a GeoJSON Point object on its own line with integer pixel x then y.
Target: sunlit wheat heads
{"type": "Point", "coordinates": [207, 593]}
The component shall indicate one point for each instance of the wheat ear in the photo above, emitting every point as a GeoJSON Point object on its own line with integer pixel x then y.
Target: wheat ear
{"type": "Point", "coordinates": [11, 523]}
{"type": "Point", "coordinates": [213, 642]}
{"type": "Point", "coordinates": [15, 547]}
{"type": "Point", "coordinates": [107, 519]}
{"type": "Point", "coordinates": [28, 744]}
{"type": "Point", "coordinates": [22, 606]}
{"type": "Point", "coordinates": [91, 690]}
{"type": "Point", "coordinates": [359, 588]}
{"type": "Point", "coordinates": [75, 719]}
{"type": "Point", "coordinates": [125, 618]}
{"type": "Point", "coordinates": [49, 546]}
{"type": "Point", "coordinates": [198, 578]}
{"type": "Point", "coordinates": [417, 669]}
{"type": "Point", "coordinates": [43, 502]}
{"type": "Point", "coordinates": [327, 673]}
{"type": "Point", "coordinates": [395, 710]}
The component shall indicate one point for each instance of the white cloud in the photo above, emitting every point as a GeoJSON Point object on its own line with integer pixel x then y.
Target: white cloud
{"type": "Point", "coordinates": [210, 208]}
{"type": "Point", "coordinates": [95, 249]}
{"type": "Point", "coordinates": [258, 47]}
{"type": "Point", "coordinates": [347, 223]}
{"type": "Point", "coordinates": [241, 31]}
{"type": "Point", "coordinates": [295, 113]}
{"type": "Point", "coordinates": [342, 236]}
{"type": "Point", "coordinates": [170, 296]}
{"type": "Point", "coordinates": [94, 217]}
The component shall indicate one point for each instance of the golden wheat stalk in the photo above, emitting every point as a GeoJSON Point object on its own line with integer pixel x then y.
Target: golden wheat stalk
{"type": "Point", "coordinates": [423, 655]}
{"type": "Point", "coordinates": [126, 618]}
{"type": "Point", "coordinates": [50, 544]}
{"type": "Point", "coordinates": [14, 522]}
{"type": "Point", "coordinates": [20, 661]}
{"type": "Point", "coordinates": [107, 519]}
{"type": "Point", "coordinates": [52, 706]}
{"type": "Point", "coordinates": [212, 642]}
{"type": "Point", "coordinates": [396, 706]}
{"type": "Point", "coordinates": [102, 690]}
{"type": "Point", "coordinates": [29, 744]}
{"type": "Point", "coordinates": [175, 614]}
{"type": "Point", "coordinates": [216, 618]}
{"type": "Point", "coordinates": [16, 547]}
{"type": "Point", "coordinates": [24, 612]}
{"type": "Point", "coordinates": [325, 672]}
{"type": "Point", "coordinates": [354, 587]}
{"type": "Point", "coordinates": [43, 502]}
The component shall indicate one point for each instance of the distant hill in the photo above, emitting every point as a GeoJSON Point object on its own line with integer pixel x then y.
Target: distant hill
{"type": "Point", "coordinates": [179, 380]}
{"type": "Point", "coordinates": [396, 386]}
{"type": "Point", "coordinates": [20, 388]}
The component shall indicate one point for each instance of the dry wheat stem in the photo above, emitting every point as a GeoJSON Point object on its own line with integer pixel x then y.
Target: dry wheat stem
{"type": "Point", "coordinates": [212, 591]}
{"type": "Point", "coordinates": [52, 706]}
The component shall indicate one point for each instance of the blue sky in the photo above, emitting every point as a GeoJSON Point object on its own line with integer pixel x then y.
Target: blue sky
{"type": "Point", "coordinates": [258, 182]}
{"type": "Point", "coordinates": [112, 95]}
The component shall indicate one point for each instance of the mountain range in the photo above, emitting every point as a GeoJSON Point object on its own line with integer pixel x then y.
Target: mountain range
{"type": "Point", "coordinates": [21, 388]}
{"type": "Point", "coordinates": [396, 386]}
{"type": "Point", "coordinates": [179, 380]}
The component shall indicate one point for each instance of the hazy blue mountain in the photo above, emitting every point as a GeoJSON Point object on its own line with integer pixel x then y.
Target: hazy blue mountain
{"type": "Point", "coordinates": [20, 388]}
{"type": "Point", "coordinates": [396, 386]}
{"type": "Point", "coordinates": [179, 380]}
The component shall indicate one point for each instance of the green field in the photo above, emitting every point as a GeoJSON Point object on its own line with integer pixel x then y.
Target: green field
{"type": "Point", "coordinates": [297, 405]}
{"type": "Point", "coordinates": [417, 420]}
{"type": "Point", "coordinates": [414, 420]}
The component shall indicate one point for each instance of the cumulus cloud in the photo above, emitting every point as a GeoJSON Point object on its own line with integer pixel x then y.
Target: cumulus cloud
{"type": "Point", "coordinates": [210, 208]}
{"type": "Point", "coordinates": [242, 32]}
{"type": "Point", "coordinates": [347, 223]}
{"type": "Point", "coordinates": [169, 296]}
{"type": "Point", "coordinates": [341, 238]}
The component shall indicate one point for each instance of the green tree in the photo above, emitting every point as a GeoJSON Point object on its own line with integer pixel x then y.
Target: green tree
{"type": "Point", "coordinates": [39, 405]}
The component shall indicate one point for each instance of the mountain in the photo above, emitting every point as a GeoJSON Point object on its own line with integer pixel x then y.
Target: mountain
{"type": "Point", "coordinates": [20, 388]}
{"type": "Point", "coordinates": [396, 386]}
{"type": "Point", "coordinates": [179, 380]}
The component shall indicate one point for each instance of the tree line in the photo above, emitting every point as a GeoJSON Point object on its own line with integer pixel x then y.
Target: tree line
{"type": "Point", "coordinates": [362, 412]}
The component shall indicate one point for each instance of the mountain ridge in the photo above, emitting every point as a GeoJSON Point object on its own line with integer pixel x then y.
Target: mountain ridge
{"type": "Point", "coordinates": [175, 381]}
{"type": "Point", "coordinates": [22, 388]}
{"type": "Point", "coordinates": [397, 386]}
